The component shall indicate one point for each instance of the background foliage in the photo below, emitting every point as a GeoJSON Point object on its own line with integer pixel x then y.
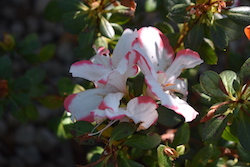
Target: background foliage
{"type": "Point", "coordinates": [219, 89]}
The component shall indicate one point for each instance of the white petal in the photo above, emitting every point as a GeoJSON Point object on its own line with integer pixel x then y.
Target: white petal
{"type": "Point", "coordinates": [157, 47]}
{"type": "Point", "coordinates": [185, 110]}
{"type": "Point", "coordinates": [123, 46]}
{"type": "Point", "coordinates": [142, 109]}
{"type": "Point", "coordinates": [185, 58]}
{"type": "Point", "coordinates": [109, 107]}
{"type": "Point", "coordinates": [87, 70]}
{"type": "Point", "coordinates": [81, 104]}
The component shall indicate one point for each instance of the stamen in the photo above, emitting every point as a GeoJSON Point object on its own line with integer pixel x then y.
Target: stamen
{"type": "Point", "coordinates": [106, 127]}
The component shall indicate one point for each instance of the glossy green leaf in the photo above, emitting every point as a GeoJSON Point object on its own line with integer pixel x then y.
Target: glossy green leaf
{"type": "Point", "coordinates": [245, 71]}
{"type": "Point", "coordinates": [5, 67]}
{"type": "Point", "coordinates": [207, 52]}
{"type": "Point", "coordinates": [119, 18]}
{"type": "Point", "coordinates": [228, 78]}
{"type": "Point", "coordinates": [47, 52]}
{"type": "Point", "coordinates": [86, 39]}
{"type": "Point", "coordinates": [182, 135]}
{"type": "Point", "coordinates": [163, 159]}
{"type": "Point", "coordinates": [143, 141]}
{"type": "Point", "coordinates": [203, 156]}
{"type": "Point", "coordinates": [214, 128]}
{"type": "Point", "coordinates": [219, 36]}
{"type": "Point", "coordinates": [106, 29]}
{"type": "Point", "coordinates": [232, 30]}
{"type": "Point", "coordinates": [168, 117]}
{"type": "Point", "coordinates": [227, 135]}
{"type": "Point", "coordinates": [194, 38]}
{"type": "Point", "coordinates": [178, 13]}
{"type": "Point", "coordinates": [123, 130]}
{"type": "Point", "coordinates": [240, 15]}
{"type": "Point", "coordinates": [80, 128]}
{"type": "Point", "coordinates": [244, 131]}
{"type": "Point", "coordinates": [74, 22]}
{"type": "Point", "coordinates": [212, 84]}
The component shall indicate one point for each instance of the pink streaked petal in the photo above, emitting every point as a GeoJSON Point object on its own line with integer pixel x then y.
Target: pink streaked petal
{"type": "Point", "coordinates": [111, 101]}
{"type": "Point", "coordinates": [185, 110]}
{"type": "Point", "coordinates": [145, 65]}
{"type": "Point", "coordinates": [81, 104]}
{"type": "Point", "coordinates": [157, 47]}
{"type": "Point", "coordinates": [87, 70]}
{"type": "Point", "coordinates": [123, 46]}
{"type": "Point", "coordinates": [142, 110]}
{"type": "Point", "coordinates": [118, 81]}
{"type": "Point", "coordinates": [184, 59]}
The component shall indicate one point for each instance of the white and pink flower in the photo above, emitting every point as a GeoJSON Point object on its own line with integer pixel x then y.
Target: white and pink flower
{"type": "Point", "coordinates": [162, 69]}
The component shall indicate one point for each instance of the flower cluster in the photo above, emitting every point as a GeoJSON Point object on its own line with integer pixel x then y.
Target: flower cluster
{"type": "Point", "coordinates": [145, 51]}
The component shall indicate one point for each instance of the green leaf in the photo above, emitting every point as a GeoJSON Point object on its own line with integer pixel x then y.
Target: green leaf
{"type": "Point", "coordinates": [245, 71]}
{"type": "Point", "coordinates": [143, 141]}
{"type": "Point", "coordinates": [86, 39]}
{"type": "Point", "coordinates": [232, 30]}
{"type": "Point", "coordinates": [212, 84]}
{"type": "Point", "coordinates": [80, 128]}
{"type": "Point", "coordinates": [165, 27]}
{"type": "Point", "coordinates": [203, 156]}
{"type": "Point", "coordinates": [240, 15]}
{"type": "Point", "coordinates": [227, 135]}
{"type": "Point", "coordinates": [168, 117]}
{"type": "Point", "coordinates": [194, 38]}
{"type": "Point", "coordinates": [163, 159]}
{"type": "Point", "coordinates": [244, 131]}
{"type": "Point", "coordinates": [123, 130]}
{"type": "Point", "coordinates": [182, 135]}
{"type": "Point", "coordinates": [29, 45]}
{"type": "Point", "coordinates": [214, 128]}
{"type": "Point", "coordinates": [36, 75]}
{"type": "Point", "coordinates": [228, 78]}
{"type": "Point", "coordinates": [47, 52]}
{"type": "Point", "coordinates": [5, 67]}
{"type": "Point", "coordinates": [207, 52]}
{"type": "Point", "coordinates": [22, 83]}
{"type": "Point", "coordinates": [52, 12]}
{"type": "Point", "coordinates": [178, 13]}
{"type": "Point", "coordinates": [72, 5]}
{"type": "Point", "coordinates": [76, 21]}
{"type": "Point", "coordinates": [22, 99]}
{"type": "Point", "coordinates": [219, 36]}
{"type": "Point", "coordinates": [244, 154]}
{"type": "Point", "coordinates": [106, 29]}
{"type": "Point", "coordinates": [119, 18]}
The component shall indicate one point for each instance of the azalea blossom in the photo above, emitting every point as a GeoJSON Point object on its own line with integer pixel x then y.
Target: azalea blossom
{"type": "Point", "coordinates": [110, 74]}
{"type": "Point", "coordinates": [162, 69]}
